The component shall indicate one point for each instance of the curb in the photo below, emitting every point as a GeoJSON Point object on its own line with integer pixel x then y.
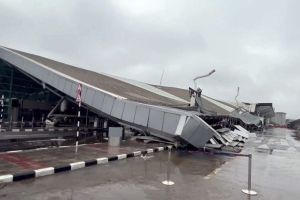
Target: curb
{"type": "Point", "coordinates": [17, 130]}
{"type": "Point", "coordinates": [74, 166]}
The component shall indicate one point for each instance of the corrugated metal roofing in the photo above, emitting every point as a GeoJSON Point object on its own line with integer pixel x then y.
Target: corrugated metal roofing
{"type": "Point", "coordinates": [145, 108]}
{"type": "Point", "coordinates": [105, 82]}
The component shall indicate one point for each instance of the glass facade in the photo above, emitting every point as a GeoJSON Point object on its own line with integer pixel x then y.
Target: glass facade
{"type": "Point", "coordinates": [20, 92]}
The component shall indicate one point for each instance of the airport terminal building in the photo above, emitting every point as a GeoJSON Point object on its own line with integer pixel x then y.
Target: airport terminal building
{"type": "Point", "coordinates": [37, 89]}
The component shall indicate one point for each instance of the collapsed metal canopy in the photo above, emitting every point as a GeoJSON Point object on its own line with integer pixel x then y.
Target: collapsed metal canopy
{"type": "Point", "coordinates": [217, 107]}
{"type": "Point", "coordinates": [132, 103]}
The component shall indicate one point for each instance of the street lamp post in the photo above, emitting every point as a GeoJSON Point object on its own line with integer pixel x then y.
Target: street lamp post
{"type": "Point", "coordinates": [236, 101]}
{"type": "Point", "coordinates": [1, 113]}
{"type": "Point", "coordinates": [196, 93]}
{"type": "Point", "coordinates": [203, 76]}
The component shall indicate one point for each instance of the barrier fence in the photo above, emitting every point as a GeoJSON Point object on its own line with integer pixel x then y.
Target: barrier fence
{"type": "Point", "coordinates": [249, 190]}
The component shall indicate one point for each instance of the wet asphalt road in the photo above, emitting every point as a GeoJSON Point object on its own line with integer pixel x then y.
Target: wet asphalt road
{"type": "Point", "coordinates": [276, 175]}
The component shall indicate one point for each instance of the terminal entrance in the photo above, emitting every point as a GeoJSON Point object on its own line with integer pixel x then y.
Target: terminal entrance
{"type": "Point", "coordinates": [24, 99]}
{"type": "Point", "coordinates": [28, 104]}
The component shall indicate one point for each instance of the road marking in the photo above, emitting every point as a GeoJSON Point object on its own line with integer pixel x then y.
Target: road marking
{"type": "Point", "coordinates": [102, 160]}
{"type": "Point", "coordinates": [149, 150]}
{"type": "Point", "coordinates": [58, 169]}
{"type": "Point", "coordinates": [77, 165]}
{"type": "Point", "coordinates": [44, 171]}
{"type": "Point", "coordinates": [122, 156]}
{"type": "Point", "coordinates": [160, 148]}
{"type": "Point", "coordinates": [6, 178]}
{"type": "Point", "coordinates": [137, 153]}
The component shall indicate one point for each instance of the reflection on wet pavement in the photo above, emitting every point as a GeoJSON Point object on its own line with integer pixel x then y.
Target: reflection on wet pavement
{"type": "Point", "coordinates": [196, 175]}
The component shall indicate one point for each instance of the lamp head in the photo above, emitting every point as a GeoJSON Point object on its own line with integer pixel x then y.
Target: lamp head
{"type": "Point", "coordinates": [213, 71]}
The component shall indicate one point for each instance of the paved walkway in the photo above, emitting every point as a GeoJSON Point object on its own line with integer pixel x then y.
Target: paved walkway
{"type": "Point", "coordinates": [275, 140]}
{"type": "Point", "coordinates": [36, 159]}
{"type": "Point", "coordinates": [196, 175]}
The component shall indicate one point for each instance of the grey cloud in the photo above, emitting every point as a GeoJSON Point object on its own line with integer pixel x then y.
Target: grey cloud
{"type": "Point", "coordinates": [251, 44]}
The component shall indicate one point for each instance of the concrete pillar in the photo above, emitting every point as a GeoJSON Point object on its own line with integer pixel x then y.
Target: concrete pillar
{"type": "Point", "coordinates": [115, 134]}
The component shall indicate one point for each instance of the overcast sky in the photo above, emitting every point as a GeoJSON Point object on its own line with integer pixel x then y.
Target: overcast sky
{"type": "Point", "coordinates": [252, 44]}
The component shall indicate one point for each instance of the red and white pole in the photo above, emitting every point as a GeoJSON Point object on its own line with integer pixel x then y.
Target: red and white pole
{"type": "Point", "coordinates": [78, 100]}
{"type": "Point", "coordinates": [1, 114]}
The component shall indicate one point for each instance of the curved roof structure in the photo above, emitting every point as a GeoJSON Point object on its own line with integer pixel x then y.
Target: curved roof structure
{"type": "Point", "coordinates": [133, 103]}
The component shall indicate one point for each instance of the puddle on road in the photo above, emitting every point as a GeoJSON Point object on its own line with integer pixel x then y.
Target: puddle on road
{"type": "Point", "coordinates": [197, 163]}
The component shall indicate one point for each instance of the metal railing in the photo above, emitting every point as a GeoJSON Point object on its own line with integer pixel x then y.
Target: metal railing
{"type": "Point", "coordinates": [249, 190]}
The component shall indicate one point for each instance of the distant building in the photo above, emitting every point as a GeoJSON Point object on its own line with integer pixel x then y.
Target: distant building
{"type": "Point", "coordinates": [294, 124]}
{"type": "Point", "coordinates": [265, 111]}
{"type": "Point", "coordinates": [279, 119]}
